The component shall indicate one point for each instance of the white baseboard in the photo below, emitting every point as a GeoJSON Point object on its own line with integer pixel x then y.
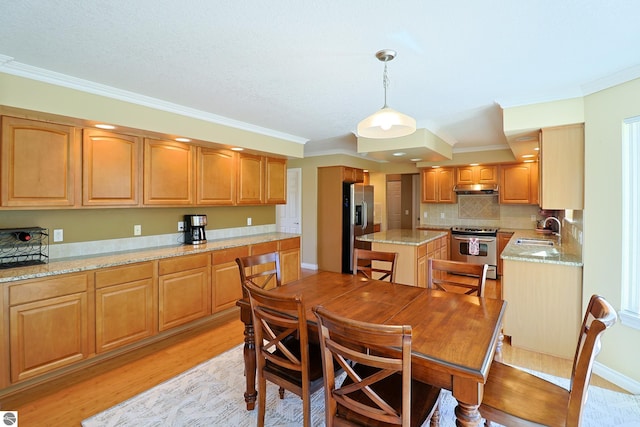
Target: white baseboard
{"type": "Point", "coordinates": [307, 266]}
{"type": "Point", "coordinates": [615, 377]}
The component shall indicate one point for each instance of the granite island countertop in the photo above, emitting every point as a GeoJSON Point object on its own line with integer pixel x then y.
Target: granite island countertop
{"type": "Point", "coordinates": [565, 253]}
{"type": "Point", "coordinates": [402, 237]}
{"type": "Point", "coordinates": [112, 259]}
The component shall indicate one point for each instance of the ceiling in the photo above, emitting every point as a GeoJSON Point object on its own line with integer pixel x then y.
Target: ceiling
{"type": "Point", "coordinates": [306, 70]}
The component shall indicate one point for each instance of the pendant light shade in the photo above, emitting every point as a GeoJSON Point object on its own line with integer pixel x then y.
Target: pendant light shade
{"type": "Point", "coordinates": [386, 123]}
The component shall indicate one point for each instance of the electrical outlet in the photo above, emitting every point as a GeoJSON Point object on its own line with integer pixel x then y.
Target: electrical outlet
{"type": "Point", "coordinates": [249, 221]}
{"type": "Point", "coordinates": [180, 225]}
{"type": "Point", "coordinates": [137, 230]}
{"type": "Point", "coordinates": [441, 215]}
{"type": "Point", "coordinates": [58, 235]}
{"type": "Point", "coordinates": [425, 214]}
{"type": "Point", "coordinates": [534, 218]}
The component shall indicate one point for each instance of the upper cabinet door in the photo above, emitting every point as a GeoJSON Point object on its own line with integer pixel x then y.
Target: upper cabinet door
{"type": "Point", "coordinates": [216, 177]}
{"type": "Point", "coordinates": [519, 183]}
{"type": "Point", "coordinates": [39, 162]}
{"type": "Point", "coordinates": [250, 179]}
{"type": "Point", "coordinates": [110, 169]}
{"type": "Point", "coordinates": [168, 173]}
{"type": "Point", "coordinates": [481, 174]}
{"type": "Point", "coordinates": [276, 180]}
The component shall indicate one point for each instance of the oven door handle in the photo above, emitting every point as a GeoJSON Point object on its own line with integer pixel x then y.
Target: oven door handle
{"type": "Point", "coordinates": [466, 239]}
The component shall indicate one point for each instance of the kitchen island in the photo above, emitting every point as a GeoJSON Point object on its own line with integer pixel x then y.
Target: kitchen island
{"type": "Point", "coordinates": [414, 248]}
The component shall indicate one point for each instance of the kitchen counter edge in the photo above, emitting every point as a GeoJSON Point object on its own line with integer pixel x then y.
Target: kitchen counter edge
{"type": "Point", "coordinates": [402, 237]}
{"type": "Point", "coordinates": [112, 259]}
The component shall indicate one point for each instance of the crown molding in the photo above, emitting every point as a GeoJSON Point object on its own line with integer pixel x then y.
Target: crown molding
{"type": "Point", "coordinates": [9, 66]}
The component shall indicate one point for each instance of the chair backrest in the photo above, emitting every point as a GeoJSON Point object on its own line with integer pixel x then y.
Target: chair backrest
{"type": "Point", "coordinates": [262, 271]}
{"type": "Point", "coordinates": [464, 277]}
{"type": "Point", "coordinates": [599, 316]}
{"type": "Point", "coordinates": [375, 264]}
{"type": "Point", "coordinates": [279, 322]}
{"type": "Point", "coordinates": [386, 349]}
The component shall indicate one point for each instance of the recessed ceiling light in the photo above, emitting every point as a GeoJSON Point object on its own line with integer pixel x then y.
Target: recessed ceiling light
{"type": "Point", "coordinates": [366, 171]}
{"type": "Point", "coordinates": [105, 126]}
{"type": "Point", "coordinates": [237, 149]}
{"type": "Point", "coordinates": [528, 161]}
{"type": "Point", "coordinates": [526, 156]}
{"type": "Point", "coordinates": [536, 149]}
{"type": "Point", "coordinates": [181, 139]}
{"type": "Point", "coordinates": [474, 164]}
{"type": "Point", "coordinates": [415, 160]}
{"type": "Point", "coordinates": [435, 167]}
{"type": "Point", "coordinates": [399, 154]}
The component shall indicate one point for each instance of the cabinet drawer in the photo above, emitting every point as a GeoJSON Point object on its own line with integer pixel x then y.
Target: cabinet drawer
{"type": "Point", "coordinates": [37, 289]}
{"type": "Point", "coordinates": [182, 263]}
{"type": "Point", "coordinates": [229, 255]}
{"type": "Point", "coordinates": [292, 243]}
{"type": "Point", "coordinates": [124, 274]}
{"type": "Point", "coordinates": [264, 248]}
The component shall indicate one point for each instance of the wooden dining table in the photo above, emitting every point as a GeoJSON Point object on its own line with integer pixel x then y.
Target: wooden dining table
{"type": "Point", "coordinates": [455, 336]}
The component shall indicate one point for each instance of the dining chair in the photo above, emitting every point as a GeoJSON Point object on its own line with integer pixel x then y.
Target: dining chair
{"type": "Point", "coordinates": [378, 389]}
{"type": "Point", "coordinates": [283, 353]}
{"type": "Point", "coordinates": [375, 264]}
{"type": "Point", "coordinates": [262, 271]}
{"type": "Point", "coordinates": [456, 276]}
{"type": "Point", "coordinates": [516, 398]}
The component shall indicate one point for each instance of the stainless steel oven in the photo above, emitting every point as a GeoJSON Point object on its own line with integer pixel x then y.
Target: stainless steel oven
{"type": "Point", "coordinates": [476, 245]}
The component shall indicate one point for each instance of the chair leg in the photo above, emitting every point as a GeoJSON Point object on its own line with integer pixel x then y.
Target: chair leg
{"type": "Point", "coordinates": [306, 409]}
{"type": "Point", "coordinates": [262, 400]}
{"type": "Point", "coordinates": [281, 392]}
{"type": "Point", "coordinates": [435, 418]}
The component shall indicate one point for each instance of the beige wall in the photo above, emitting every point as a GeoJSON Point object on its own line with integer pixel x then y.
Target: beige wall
{"type": "Point", "coordinates": [85, 225]}
{"type": "Point", "coordinates": [604, 113]}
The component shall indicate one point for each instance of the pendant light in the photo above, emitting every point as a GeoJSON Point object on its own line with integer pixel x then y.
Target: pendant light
{"type": "Point", "coordinates": [387, 122]}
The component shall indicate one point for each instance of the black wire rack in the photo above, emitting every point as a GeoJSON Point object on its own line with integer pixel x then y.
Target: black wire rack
{"type": "Point", "coordinates": [23, 246]}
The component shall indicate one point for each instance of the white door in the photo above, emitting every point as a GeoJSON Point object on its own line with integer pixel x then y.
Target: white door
{"type": "Point", "coordinates": [289, 216]}
{"type": "Point", "coordinates": [394, 207]}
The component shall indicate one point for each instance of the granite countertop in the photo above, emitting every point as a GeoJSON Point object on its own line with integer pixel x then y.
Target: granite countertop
{"type": "Point", "coordinates": [402, 237]}
{"type": "Point", "coordinates": [112, 259]}
{"type": "Point", "coordinates": [565, 254]}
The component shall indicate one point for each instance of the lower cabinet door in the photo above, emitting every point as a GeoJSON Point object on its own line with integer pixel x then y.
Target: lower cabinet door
{"type": "Point", "coordinates": [226, 285]}
{"type": "Point", "coordinates": [124, 314]}
{"type": "Point", "coordinates": [183, 297]}
{"type": "Point", "coordinates": [47, 335]}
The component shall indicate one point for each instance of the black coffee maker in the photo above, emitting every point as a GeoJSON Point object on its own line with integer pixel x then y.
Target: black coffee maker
{"type": "Point", "coordinates": [194, 229]}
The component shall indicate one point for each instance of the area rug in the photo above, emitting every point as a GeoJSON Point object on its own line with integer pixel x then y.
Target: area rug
{"type": "Point", "coordinates": [211, 394]}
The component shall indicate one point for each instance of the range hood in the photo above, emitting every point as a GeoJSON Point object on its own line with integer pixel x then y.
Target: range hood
{"type": "Point", "coordinates": [476, 189]}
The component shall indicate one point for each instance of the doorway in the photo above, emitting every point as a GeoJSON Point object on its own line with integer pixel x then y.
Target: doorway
{"type": "Point", "coordinates": [289, 216]}
{"type": "Point", "coordinates": [403, 201]}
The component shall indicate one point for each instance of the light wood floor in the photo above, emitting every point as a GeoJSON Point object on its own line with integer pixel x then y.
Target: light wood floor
{"type": "Point", "coordinates": [68, 401]}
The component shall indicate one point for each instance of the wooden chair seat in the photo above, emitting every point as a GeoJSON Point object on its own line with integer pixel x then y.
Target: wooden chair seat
{"type": "Point", "coordinates": [534, 400]}
{"type": "Point", "coordinates": [516, 398]}
{"type": "Point", "coordinates": [274, 372]}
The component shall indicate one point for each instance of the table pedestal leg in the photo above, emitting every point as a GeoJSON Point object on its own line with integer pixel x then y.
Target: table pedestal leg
{"type": "Point", "coordinates": [467, 415]}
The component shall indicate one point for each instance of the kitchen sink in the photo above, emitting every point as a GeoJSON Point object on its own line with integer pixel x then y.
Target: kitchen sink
{"type": "Point", "coordinates": [544, 253]}
{"type": "Point", "coordinates": [534, 242]}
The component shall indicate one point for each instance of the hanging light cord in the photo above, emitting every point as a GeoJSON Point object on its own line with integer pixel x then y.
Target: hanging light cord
{"type": "Point", "coordinates": [385, 83]}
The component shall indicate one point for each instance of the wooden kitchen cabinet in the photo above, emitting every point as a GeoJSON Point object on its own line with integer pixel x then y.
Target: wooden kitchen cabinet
{"type": "Point", "coordinates": [126, 309]}
{"type": "Point", "coordinates": [216, 177]}
{"type": "Point", "coordinates": [50, 324]}
{"type": "Point", "coordinates": [562, 167]}
{"type": "Point", "coordinates": [275, 180]}
{"type": "Point", "coordinates": [437, 185]}
{"type": "Point", "coordinates": [184, 290]}
{"type": "Point", "coordinates": [544, 301]}
{"type": "Point", "coordinates": [168, 173]}
{"type": "Point", "coordinates": [519, 183]}
{"type": "Point", "coordinates": [353, 175]}
{"type": "Point", "coordinates": [250, 179]}
{"type": "Point", "coordinates": [111, 165]}
{"type": "Point", "coordinates": [503, 240]}
{"type": "Point", "coordinates": [479, 174]}
{"type": "Point", "coordinates": [226, 286]}
{"type": "Point", "coordinates": [261, 180]}
{"type": "Point", "coordinates": [40, 163]}
{"type": "Point", "coordinates": [289, 259]}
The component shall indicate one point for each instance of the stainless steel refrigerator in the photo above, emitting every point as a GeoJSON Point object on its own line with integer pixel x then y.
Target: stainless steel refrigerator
{"type": "Point", "coordinates": [357, 219]}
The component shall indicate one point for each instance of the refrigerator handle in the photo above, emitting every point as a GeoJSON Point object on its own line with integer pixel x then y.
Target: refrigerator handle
{"type": "Point", "coordinates": [365, 220]}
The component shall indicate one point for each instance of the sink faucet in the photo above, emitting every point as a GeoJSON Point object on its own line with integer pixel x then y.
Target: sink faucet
{"type": "Point", "coordinates": [559, 233]}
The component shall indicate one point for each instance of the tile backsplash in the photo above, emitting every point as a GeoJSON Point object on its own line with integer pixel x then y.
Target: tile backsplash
{"type": "Point", "coordinates": [486, 211]}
